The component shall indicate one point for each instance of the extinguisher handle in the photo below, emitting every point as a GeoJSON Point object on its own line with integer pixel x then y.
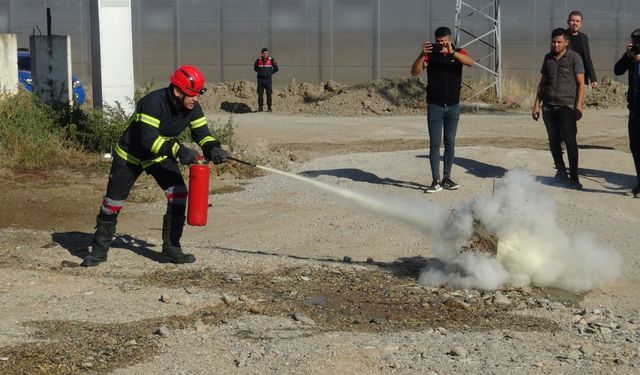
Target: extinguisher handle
{"type": "Point", "coordinates": [200, 160]}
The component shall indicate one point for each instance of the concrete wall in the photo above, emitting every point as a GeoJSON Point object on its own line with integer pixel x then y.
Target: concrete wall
{"type": "Point", "coordinates": [51, 68]}
{"type": "Point", "coordinates": [9, 63]}
{"type": "Point", "coordinates": [317, 40]}
{"type": "Point", "coordinates": [113, 80]}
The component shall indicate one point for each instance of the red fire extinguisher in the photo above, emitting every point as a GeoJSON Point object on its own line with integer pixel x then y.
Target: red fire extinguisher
{"type": "Point", "coordinates": [198, 201]}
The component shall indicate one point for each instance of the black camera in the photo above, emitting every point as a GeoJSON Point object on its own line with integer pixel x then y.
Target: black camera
{"type": "Point", "coordinates": [635, 48]}
{"type": "Point", "coordinates": [436, 47]}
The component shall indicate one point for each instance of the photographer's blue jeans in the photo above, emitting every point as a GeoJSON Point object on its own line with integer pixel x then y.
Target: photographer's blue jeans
{"type": "Point", "coordinates": [442, 122]}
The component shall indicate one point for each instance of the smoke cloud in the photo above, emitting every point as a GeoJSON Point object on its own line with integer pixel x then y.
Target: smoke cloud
{"type": "Point", "coordinates": [533, 248]}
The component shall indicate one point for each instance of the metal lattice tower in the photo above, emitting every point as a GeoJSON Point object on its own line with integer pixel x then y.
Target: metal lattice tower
{"type": "Point", "coordinates": [491, 62]}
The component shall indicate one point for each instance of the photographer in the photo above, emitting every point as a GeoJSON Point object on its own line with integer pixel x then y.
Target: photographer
{"type": "Point", "coordinates": [443, 63]}
{"type": "Point", "coordinates": [631, 61]}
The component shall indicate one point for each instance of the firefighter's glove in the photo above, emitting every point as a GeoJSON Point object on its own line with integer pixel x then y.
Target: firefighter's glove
{"type": "Point", "coordinates": [218, 155]}
{"type": "Point", "coordinates": [186, 155]}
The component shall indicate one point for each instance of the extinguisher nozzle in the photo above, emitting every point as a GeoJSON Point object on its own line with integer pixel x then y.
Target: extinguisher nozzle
{"type": "Point", "coordinates": [242, 162]}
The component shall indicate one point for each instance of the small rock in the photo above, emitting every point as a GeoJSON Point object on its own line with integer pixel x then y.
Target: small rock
{"type": "Point", "coordinates": [199, 326]}
{"type": "Point", "coordinates": [369, 260]}
{"type": "Point", "coordinates": [229, 299]}
{"type": "Point", "coordinates": [557, 306]}
{"type": "Point", "coordinates": [316, 300]}
{"type": "Point", "coordinates": [232, 278]}
{"type": "Point", "coordinates": [4, 359]}
{"type": "Point", "coordinates": [305, 278]}
{"type": "Point", "coordinates": [185, 302]}
{"type": "Point", "coordinates": [346, 259]}
{"type": "Point", "coordinates": [590, 330]}
{"type": "Point", "coordinates": [587, 349]}
{"type": "Point", "coordinates": [605, 330]}
{"type": "Point", "coordinates": [256, 309]}
{"type": "Point", "coordinates": [458, 351]}
{"type": "Point", "coordinates": [574, 354]}
{"type": "Point", "coordinates": [303, 318]}
{"type": "Point", "coordinates": [378, 320]}
{"type": "Point", "coordinates": [162, 331]}
{"type": "Point", "coordinates": [627, 327]}
{"type": "Point", "coordinates": [582, 322]}
{"type": "Point", "coordinates": [165, 298]}
{"type": "Point", "coordinates": [86, 365]}
{"type": "Point", "coordinates": [332, 86]}
{"type": "Point", "coordinates": [457, 304]}
{"type": "Point", "coordinates": [130, 343]}
{"type": "Point", "coordinates": [501, 299]}
{"type": "Point", "coordinates": [243, 298]}
{"type": "Point", "coordinates": [620, 361]}
{"type": "Point", "coordinates": [543, 301]}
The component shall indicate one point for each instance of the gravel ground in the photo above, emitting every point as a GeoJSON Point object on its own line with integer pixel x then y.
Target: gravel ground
{"type": "Point", "coordinates": [290, 279]}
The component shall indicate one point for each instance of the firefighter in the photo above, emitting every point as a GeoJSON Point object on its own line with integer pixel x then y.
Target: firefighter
{"type": "Point", "coordinates": [265, 66]}
{"type": "Point", "coordinates": [150, 144]}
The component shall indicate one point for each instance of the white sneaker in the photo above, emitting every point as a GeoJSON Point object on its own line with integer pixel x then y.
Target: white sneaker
{"type": "Point", "coordinates": [434, 188]}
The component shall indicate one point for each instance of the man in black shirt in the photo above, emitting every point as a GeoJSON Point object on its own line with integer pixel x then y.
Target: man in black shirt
{"type": "Point", "coordinates": [630, 62]}
{"type": "Point", "coordinates": [579, 42]}
{"type": "Point", "coordinates": [443, 63]}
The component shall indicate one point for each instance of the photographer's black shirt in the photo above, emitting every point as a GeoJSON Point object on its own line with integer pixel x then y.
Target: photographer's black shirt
{"type": "Point", "coordinates": [444, 78]}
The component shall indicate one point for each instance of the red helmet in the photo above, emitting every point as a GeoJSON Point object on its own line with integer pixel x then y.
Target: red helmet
{"type": "Point", "coordinates": [189, 79]}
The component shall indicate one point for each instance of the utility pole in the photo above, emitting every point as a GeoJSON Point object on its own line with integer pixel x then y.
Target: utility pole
{"type": "Point", "coordinates": [491, 38]}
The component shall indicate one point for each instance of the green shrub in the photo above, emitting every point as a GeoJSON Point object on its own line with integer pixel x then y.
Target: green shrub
{"type": "Point", "coordinates": [29, 134]}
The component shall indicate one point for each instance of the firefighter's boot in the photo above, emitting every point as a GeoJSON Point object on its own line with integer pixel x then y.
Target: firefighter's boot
{"type": "Point", "coordinates": [105, 230]}
{"type": "Point", "coordinates": [172, 227]}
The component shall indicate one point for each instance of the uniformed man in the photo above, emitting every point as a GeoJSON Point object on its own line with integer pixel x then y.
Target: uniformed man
{"type": "Point", "coordinates": [265, 66]}
{"type": "Point", "coordinates": [150, 144]}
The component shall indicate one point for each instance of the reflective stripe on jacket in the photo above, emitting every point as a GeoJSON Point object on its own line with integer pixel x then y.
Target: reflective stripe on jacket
{"type": "Point", "coordinates": [151, 135]}
{"type": "Point", "coordinates": [265, 67]}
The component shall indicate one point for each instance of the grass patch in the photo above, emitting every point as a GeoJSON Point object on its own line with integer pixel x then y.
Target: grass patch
{"type": "Point", "coordinates": [515, 93]}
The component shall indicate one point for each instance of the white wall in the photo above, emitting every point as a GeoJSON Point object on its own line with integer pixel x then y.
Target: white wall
{"type": "Point", "coordinates": [115, 55]}
{"type": "Point", "coordinates": [9, 63]}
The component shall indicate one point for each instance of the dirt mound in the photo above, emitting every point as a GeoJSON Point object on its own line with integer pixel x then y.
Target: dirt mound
{"type": "Point", "coordinates": [610, 94]}
{"type": "Point", "coordinates": [379, 97]}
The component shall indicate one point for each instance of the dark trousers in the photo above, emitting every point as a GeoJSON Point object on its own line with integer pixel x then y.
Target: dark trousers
{"type": "Point", "coordinates": [264, 84]}
{"type": "Point", "coordinates": [561, 126]}
{"type": "Point", "coordinates": [123, 176]}
{"type": "Point", "coordinates": [634, 140]}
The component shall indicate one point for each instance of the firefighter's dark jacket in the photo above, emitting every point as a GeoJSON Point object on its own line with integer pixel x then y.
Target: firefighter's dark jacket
{"type": "Point", "coordinates": [265, 67]}
{"type": "Point", "coordinates": [158, 120]}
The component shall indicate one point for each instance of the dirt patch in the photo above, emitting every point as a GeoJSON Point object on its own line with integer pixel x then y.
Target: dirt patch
{"type": "Point", "coordinates": [353, 300]}
{"type": "Point", "coordinates": [377, 97]}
